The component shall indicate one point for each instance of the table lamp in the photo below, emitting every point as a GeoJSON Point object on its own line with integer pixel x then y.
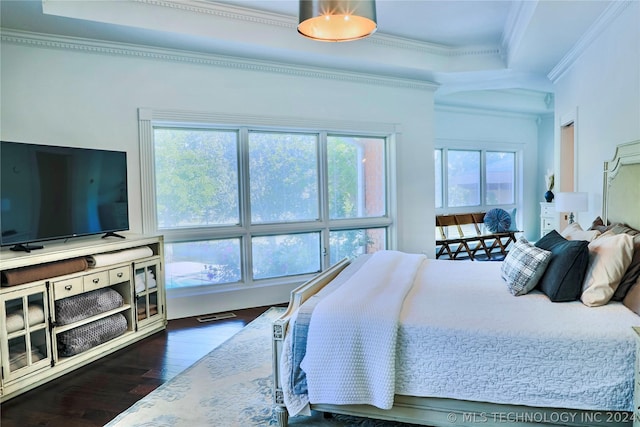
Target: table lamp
{"type": "Point", "coordinates": [572, 202]}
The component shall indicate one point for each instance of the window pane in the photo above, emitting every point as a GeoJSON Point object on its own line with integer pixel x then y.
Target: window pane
{"type": "Point", "coordinates": [351, 243]}
{"type": "Point", "coordinates": [202, 263]}
{"type": "Point", "coordinates": [283, 170]}
{"type": "Point", "coordinates": [437, 158]}
{"type": "Point", "coordinates": [463, 174]}
{"type": "Point", "coordinates": [285, 255]}
{"type": "Point", "coordinates": [356, 180]}
{"type": "Point", "coordinates": [196, 177]}
{"type": "Point", "coordinates": [500, 178]}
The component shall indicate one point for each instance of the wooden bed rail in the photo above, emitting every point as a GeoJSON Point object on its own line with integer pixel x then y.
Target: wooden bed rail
{"type": "Point", "coordinates": [279, 328]}
{"type": "Point", "coordinates": [463, 235]}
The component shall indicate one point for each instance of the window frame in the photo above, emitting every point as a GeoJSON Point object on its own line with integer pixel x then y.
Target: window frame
{"type": "Point", "coordinates": [150, 119]}
{"type": "Point", "coordinates": [483, 148]}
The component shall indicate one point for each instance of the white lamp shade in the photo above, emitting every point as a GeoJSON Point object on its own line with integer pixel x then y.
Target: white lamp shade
{"type": "Point", "coordinates": [572, 202]}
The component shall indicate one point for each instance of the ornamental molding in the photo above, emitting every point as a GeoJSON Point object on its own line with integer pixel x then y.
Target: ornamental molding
{"type": "Point", "coordinates": [614, 10]}
{"type": "Point", "coordinates": [47, 41]}
{"type": "Point", "coordinates": [484, 110]}
{"type": "Point", "coordinates": [227, 11]}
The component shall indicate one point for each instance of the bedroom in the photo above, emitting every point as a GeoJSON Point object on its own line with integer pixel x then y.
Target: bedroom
{"type": "Point", "coordinates": [104, 91]}
{"type": "Point", "coordinates": [66, 94]}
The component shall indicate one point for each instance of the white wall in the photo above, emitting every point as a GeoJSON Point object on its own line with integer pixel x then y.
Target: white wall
{"type": "Point", "coordinates": [602, 91]}
{"type": "Point", "coordinates": [73, 95]}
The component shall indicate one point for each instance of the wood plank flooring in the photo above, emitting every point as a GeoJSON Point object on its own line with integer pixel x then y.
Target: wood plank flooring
{"type": "Point", "coordinates": [95, 394]}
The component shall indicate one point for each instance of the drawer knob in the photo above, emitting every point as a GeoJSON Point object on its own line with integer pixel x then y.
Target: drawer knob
{"type": "Point", "coordinates": [96, 280]}
{"type": "Point", "coordinates": [68, 287]}
{"type": "Point", "coordinates": [120, 274]}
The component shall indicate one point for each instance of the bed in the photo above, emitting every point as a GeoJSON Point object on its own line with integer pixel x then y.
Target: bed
{"type": "Point", "coordinates": [567, 362]}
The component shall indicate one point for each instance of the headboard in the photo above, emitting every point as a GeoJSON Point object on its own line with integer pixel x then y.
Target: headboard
{"type": "Point", "coordinates": [621, 192]}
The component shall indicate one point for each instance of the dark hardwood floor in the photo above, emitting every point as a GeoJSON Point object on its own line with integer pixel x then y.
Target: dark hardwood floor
{"type": "Point", "coordinates": [95, 394]}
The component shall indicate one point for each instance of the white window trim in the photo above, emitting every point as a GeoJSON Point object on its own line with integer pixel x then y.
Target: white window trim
{"type": "Point", "coordinates": [483, 147]}
{"type": "Point", "coordinates": [150, 118]}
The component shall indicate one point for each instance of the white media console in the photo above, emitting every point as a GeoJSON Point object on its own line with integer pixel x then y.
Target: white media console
{"type": "Point", "coordinates": [53, 325]}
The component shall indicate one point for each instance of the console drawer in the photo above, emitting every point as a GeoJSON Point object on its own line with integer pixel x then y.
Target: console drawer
{"type": "Point", "coordinates": [119, 275]}
{"type": "Point", "coordinates": [67, 288]}
{"type": "Point", "coordinates": [96, 280]}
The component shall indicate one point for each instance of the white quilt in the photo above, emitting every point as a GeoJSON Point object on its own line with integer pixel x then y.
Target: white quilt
{"type": "Point", "coordinates": [351, 344]}
{"type": "Point", "coordinates": [462, 335]}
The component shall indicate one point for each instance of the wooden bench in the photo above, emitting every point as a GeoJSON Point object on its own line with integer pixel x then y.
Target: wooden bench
{"type": "Point", "coordinates": [462, 235]}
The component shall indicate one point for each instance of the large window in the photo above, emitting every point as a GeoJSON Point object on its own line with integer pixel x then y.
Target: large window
{"type": "Point", "coordinates": [196, 178]}
{"type": "Point", "coordinates": [474, 179]}
{"type": "Point", "coordinates": [238, 205]}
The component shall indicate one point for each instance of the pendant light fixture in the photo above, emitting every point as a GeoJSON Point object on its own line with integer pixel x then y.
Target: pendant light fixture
{"type": "Point", "coordinates": [337, 20]}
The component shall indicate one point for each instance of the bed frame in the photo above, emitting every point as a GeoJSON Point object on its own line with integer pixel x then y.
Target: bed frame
{"type": "Point", "coordinates": [621, 178]}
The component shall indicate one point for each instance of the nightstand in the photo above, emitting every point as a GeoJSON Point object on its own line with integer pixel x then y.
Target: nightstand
{"type": "Point", "coordinates": [549, 218]}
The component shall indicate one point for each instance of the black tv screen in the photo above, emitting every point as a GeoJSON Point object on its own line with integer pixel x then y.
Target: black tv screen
{"type": "Point", "coordinates": [51, 192]}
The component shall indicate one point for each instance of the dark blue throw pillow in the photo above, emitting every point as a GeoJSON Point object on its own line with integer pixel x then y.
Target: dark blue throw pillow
{"type": "Point", "coordinates": [562, 280]}
{"type": "Point", "coordinates": [497, 220]}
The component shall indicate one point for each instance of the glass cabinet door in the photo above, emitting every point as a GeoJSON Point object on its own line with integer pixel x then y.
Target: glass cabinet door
{"type": "Point", "coordinates": [27, 346]}
{"type": "Point", "coordinates": [148, 299]}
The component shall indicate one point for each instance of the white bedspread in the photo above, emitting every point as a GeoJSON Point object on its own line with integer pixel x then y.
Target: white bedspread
{"type": "Point", "coordinates": [462, 335]}
{"type": "Point", "coordinates": [351, 347]}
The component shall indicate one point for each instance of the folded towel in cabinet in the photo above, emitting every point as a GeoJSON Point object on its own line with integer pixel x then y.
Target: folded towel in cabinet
{"type": "Point", "coordinates": [110, 258]}
{"type": "Point", "coordinates": [33, 273]}
{"type": "Point", "coordinates": [15, 320]}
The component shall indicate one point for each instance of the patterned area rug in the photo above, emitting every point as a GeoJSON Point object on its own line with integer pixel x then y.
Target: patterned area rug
{"type": "Point", "coordinates": [229, 387]}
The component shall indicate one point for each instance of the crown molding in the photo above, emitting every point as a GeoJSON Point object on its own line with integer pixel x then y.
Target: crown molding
{"type": "Point", "coordinates": [604, 20]}
{"type": "Point", "coordinates": [48, 41]}
{"type": "Point", "coordinates": [478, 110]}
{"type": "Point", "coordinates": [225, 11]}
{"type": "Point", "coordinates": [518, 20]}
{"type": "Point", "coordinates": [239, 13]}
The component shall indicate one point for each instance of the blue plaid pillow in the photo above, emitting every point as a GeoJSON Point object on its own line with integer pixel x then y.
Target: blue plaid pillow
{"type": "Point", "coordinates": [523, 266]}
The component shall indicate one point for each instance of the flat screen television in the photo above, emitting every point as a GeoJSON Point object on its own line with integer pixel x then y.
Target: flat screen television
{"type": "Point", "coordinates": [51, 192]}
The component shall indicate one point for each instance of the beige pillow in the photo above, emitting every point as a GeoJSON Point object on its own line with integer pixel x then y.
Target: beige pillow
{"type": "Point", "coordinates": [575, 232]}
{"type": "Point", "coordinates": [609, 256]}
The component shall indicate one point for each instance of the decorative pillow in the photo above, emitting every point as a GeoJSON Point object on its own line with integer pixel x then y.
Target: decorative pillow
{"type": "Point", "coordinates": [632, 299]}
{"type": "Point", "coordinates": [563, 278]}
{"type": "Point", "coordinates": [513, 226]}
{"type": "Point", "coordinates": [497, 220]}
{"type": "Point", "coordinates": [598, 224]}
{"type": "Point", "coordinates": [633, 271]}
{"type": "Point", "coordinates": [609, 257]}
{"type": "Point", "coordinates": [523, 266]}
{"type": "Point", "coordinates": [575, 232]}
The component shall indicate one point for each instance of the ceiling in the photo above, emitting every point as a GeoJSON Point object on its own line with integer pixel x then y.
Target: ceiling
{"type": "Point", "coordinates": [462, 46]}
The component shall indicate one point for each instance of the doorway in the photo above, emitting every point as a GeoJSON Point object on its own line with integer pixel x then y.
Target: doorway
{"type": "Point", "coordinates": [567, 166]}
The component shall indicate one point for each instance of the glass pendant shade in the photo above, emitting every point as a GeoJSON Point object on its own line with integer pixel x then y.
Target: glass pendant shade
{"type": "Point", "coordinates": [337, 20]}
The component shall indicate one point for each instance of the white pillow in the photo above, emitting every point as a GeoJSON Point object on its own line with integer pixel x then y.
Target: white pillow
{"type": "Point", "coordinates": [575, 232]}
{"type": "Point", "coordinates": [609, 257]}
